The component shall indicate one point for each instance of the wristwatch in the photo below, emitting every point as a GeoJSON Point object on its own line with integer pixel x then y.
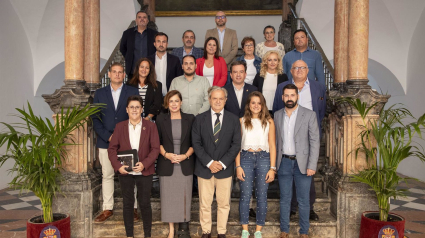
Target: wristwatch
{"type": "Point", "coordinates": [272, 167]}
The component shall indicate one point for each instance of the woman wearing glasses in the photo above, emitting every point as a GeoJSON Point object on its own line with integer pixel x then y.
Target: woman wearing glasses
{"type": "Point", "coordinates": [271, 74]}
{"type": "Point", "coordinates": [253, 62]}
{"type": "Point", "coordinates": [269, 44]}
{"type": "Point", "coordinates": [140, 135]}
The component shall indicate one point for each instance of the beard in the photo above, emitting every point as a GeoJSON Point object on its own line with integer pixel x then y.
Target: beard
{"type": "Point", "coordinates": [189, 73]}
{"type": "Point", "coordinates": [291, 104]}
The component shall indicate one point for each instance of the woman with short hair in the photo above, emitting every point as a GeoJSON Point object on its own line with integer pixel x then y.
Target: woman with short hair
{"type": "Point", "coordinates": [253, 62]}
{"type": "Point", "coordinates": [269, 44]}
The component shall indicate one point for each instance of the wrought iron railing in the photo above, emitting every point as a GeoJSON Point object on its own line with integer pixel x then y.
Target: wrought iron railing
{"type": "Point", "coordinates": [300, 23]}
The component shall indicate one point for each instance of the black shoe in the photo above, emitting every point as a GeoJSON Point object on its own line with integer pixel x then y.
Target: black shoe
{"type": "Point", "coordinates": [183, 230]}
{"type": "Point", "coordinates": [252, 213]}
{"type": "Point", "coordinates": [313, 216]}
{"type": "Point", "coordinates": [292, 214]}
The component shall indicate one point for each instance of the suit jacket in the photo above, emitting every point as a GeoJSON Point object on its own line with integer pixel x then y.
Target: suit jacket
{"type": "Point", "coordinates": [226, 149]}
{"type": "Point", "coordinates": [163, 122]}
{"type": "Point", "coordinates": [230, 43]}
{"type": "Point", "coordinates": [232, 104]}
{"type": "Point", "coordinates": [306, 136]}
{"type": "Point", "coordinates": [318, 99]}
{"type": "Point", "coordinates": [148, 146]}
{"type": "Point", "coordinates": [220, 70]}
{"type": "Point", "coordinates": [127, 46]}
{"type": "Point", "coordinates": [104, 122]}
{"type": "Point", "coordinates": [153, 99]}
{"type": "Point", "coordinates": [174, 68]}
{"type": "Point", "coordinates": [259, 81]}
{"type": "Point", "coordinates": [198, 53]}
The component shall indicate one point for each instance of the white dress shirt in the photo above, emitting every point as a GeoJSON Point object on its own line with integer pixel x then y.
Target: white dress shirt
{"type": "Point", "coordinates": [116, 95]}
{"type": "Point", "coordinates": [251, 71]}
{"type": "Point", "coordinates": [239, 94]}
{"type": "Point", "coordinates": [288, 133]}
{"type": "Point", "coordinates": [214, 117]}
{"type": "Point", "coordinates": [221, 38]}
{"type": "Point", "coordinates": [161, 71]}
{"type": "Point", "coordinates": [305, 95]}
{"type": "Point", "coordinates": [134, 132]}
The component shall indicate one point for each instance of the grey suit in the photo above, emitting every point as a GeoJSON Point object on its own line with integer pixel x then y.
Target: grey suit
{"type": "Point", "coordinates": [307, 138]}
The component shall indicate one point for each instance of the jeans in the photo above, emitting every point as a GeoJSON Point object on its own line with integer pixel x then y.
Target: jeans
{"type": "Point", "coordinates": [287, 173]}
{"type": "Point", "coordinates": [255, 166]}
{"type": "Point", "coordinates": [144, 187]}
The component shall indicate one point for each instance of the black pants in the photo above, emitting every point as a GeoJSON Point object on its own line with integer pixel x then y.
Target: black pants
{"type": "Point", "coordinates": [294, 203]}
{"type": "Point", "coordinates": [144, 187]}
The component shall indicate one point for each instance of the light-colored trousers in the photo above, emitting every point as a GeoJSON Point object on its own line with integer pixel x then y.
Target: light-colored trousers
{"type": "Point", "coordinates": [108, 181]}
{"type": "Point", "coordinates": [222, 189]}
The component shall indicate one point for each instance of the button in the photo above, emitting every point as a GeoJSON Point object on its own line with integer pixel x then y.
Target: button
{"type": "Point", "coordinates": [116, 118]}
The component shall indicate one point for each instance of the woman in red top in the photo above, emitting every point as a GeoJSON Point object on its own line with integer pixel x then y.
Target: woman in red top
{"type": "Point", "coordinates": [212, 66]}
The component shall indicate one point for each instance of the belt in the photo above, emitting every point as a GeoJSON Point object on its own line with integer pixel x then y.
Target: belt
{"type": "Point", "coordinates": [291, 157]}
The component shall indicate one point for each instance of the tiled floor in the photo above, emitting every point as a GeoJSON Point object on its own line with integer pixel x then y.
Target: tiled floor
{"type": "Point", "coordinates": [15, 209]}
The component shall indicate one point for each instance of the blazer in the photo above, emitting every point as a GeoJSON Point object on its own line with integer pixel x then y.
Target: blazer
{"type": "Point", "coordinates": [232, 104]}
{"type": "Point", "coordinates": [197, 52]}
{"type": "Point", "coordinates": [257, 62]}
{"type": "Point", "coordinates": [174, 68]}
{"type": "Point", "coordinates": [104, 122]}
{"type": "Point", "coordinates": [127, 46]}
{"type": "Point", "coordinates": [153, 99]}
{"type": "Point", "coordinates": [226, 149]}
{"type": "Point", "coordinates": [220, 70]}
{"type": "Point", "coordinates": [318, 99]}
{"type": "Point", "coordinates": [259, 81]}
{"type": "Point", "coordinates": [306, 136]}
{"type": "Point", "coordinates": [230, 43]}
{"type": "Point", "coordinates": [148, 146]}
{"type": "Point", "coordinates": [163, 123]}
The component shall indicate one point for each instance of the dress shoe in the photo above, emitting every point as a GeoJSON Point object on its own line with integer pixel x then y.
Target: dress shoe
{"type": "Point", "coordinates": [183, 230]}
{"type": "Point", "coordinates": [252, 213]}
{"type": "Point", "coordinates": [221, 236]}
{"type": "Point", "coordinates": [136, 215]}
{"type": "Point", "coordinates": [313, 216]}
{"type": "Point", "coordinates": [303, 236]}
{"type": "Point", "coordinates": [208, 235]}
{"type": "Point", "coordinates": [284, 235]}
{"type": "Point", "coordinates": [292, 214]}
{"type": "Point", "coordinates": [104, 215]}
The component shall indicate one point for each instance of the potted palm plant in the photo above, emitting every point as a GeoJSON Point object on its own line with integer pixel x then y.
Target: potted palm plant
{"type": "Point", "coordinates": [388, 140]}
{"type": "Point", "coordinates": [38, 148]}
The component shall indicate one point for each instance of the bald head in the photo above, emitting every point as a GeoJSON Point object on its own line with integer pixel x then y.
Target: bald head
{"type": "Point", "coordinates": [220, 19]}
{"type": "Point", "coordinates": [299, 71]}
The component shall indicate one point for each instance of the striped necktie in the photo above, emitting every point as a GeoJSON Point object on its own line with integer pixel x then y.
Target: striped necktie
{"type": "Point", "coordinates": [217, 127]}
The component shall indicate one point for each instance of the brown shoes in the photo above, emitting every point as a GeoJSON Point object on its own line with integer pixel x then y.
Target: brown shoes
{"type": "Point", "coordinates": [303, 236]}
{"type": "Point", "coordinates": [104, 215]}
{"type": "Point", "coordinates": [136, 215]}
{"type": "Point", "coordinates": [284, 235]}
{"type": "Point", "coordinates": [206, 235]}
{"type": "Point", "coordinates": [221, 236]}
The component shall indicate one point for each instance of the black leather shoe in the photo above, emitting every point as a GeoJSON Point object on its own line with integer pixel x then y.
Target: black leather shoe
{"type": "Point", "coordinates": [183, 230]}
{"type": "Point", "coordinates": [252, 213]}
{"type": "Point", "coordinates": [208, 235]}
{"type": "Point", "coordinates": [292, 214]}
{"type": "Point", "coordinates": [313, 216]}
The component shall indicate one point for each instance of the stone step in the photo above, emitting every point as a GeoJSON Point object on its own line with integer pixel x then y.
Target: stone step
{"type": "Point", "coordinates": [114, 227]}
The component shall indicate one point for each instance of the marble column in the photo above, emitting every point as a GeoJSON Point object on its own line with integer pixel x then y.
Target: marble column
{"type": "Point", "coordinates": [341, 41]}
{"type": "Point", "coordinates": [74, 39]}
{"type": "Point", "coordinates": [92, 43]}
{"type": "Point", "coordinates": [358, 40]}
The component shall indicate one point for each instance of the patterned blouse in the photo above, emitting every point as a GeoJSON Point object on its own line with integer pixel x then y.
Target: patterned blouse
{"type": "Point", "coordinates": [261, 49]}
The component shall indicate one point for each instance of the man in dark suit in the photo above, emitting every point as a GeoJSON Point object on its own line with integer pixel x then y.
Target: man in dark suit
{"type": "Point", "coordinates": [216, 139]}
{"type": "Point", "coordinates": [114, 96]}
{"type": "Point", "coordinates": [238, 90]}
{"type": "Point", "coordinates": [137, 43]}
{"type": "Point", "coordinates": [188, 47]}
{"type": "Point", "coordinates": [312, 96]}
{"type": "Point", "coordinates": [298, 144]}
{"type": "Point", "coordinates": [167, 66]}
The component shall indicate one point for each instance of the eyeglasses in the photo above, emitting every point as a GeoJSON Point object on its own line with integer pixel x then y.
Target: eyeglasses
{"type": "Point", "coordinates": [298, 68]}
{"type": "Point", "coordinates": [220, 17]}
{"type": "Point", "coordinates": [249, 46]}
{"type": "Point", "coordinates": [135, 107]}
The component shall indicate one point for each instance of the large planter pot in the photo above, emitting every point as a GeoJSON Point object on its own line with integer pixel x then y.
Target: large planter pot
{"type": "Point", "coordinates": [61, 221]}
{"type": "Point", "coordinates": [371, 226]}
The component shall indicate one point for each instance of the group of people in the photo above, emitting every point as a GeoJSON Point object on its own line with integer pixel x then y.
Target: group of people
{"type": "Point", "coordinates": [204, 113]}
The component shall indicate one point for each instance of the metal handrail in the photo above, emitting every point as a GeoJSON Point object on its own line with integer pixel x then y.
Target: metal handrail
{"type": "Point", "coordinates": [314, 43]}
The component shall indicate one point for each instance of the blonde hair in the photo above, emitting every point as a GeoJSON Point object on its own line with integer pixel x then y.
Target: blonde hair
{"type": "Point", "coordinates": [263, 69]}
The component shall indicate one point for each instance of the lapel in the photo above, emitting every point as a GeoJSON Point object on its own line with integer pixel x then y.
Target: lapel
{"type": "Point", "coordinates": [244, 96]}
{"type": "Point", "coordinates": [168, 130]}
{"type": "Point", "coordinates": [299, 120]}
{"type": "Point", "coordinates": [184, 127]}
{"type": "Point", "coordinates": [208, 122]}
{"type": "Point", "coordinates": [280, 117]}
{"type": "Point", "coordinates": [224, 127]}
{"type": "Point", "coordinates": [110, 100]}
{"type": "Point", "coordinates": [168, 67]}
{"type": "Point", "coordinates": [314, 96]}
{"type": "Point", "coordinates": [226, 38]}
{"type": "Point", "coordinates": [122, 97]}
{"type": "Point", "coordinates": [232, 95]}
{"type": "Point", "coordinates": [127, 136]}
{"type": "Point", "coordinates": [143, 135]}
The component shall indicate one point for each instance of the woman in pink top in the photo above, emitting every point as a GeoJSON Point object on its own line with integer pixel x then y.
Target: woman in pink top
{"type": "Point", "coordinates": [212, 66]}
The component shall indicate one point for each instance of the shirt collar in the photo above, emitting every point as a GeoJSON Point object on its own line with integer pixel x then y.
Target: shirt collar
{"type": "Point", "coordinates": [138, 124]}
{"type": "Point", "coordinates": [163, 57]}
{"type": "Point", "coordinates": [213, 112]}
{"type": "Point", "coordinates": [305, 83]}
{"type": "Point", "coordinates": [221, 31]}
{"type": "Point", "coordinates": [308, 49]}
{"type": "Point", "coordinates": [112, 89]}
{"type": "Point", "coordinates": [294, 112]}
{"type": "Point", "coordinates": [238, 89]}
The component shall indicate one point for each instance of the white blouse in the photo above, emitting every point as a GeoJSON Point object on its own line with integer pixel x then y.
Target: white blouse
{"type": "Point", "coordinates": [251, 71]}
{"type": "Point", "coordinates": [269, 89]}
{"type": "Point", "coordinates": [256, 138]}
{"type": "Point", "coordinates": [209, 74]}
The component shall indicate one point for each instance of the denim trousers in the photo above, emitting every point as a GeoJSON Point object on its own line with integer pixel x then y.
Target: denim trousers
{"type": "Point", "coordinates": [255, 166]}
{"type": "Point", "coordinates": [287, 173]}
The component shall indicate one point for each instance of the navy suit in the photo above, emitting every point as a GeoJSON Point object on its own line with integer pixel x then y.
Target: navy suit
{"type": "Point", "coordinates": [198, 53]}
{"type": "Point", "coordinates": [174, 68]}
{"type": "Point", "coordinates": [232, 104]}
{"type": "Point", "coordinates": [104, 122]}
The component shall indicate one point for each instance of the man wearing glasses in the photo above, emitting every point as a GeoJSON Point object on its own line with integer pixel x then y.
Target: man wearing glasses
{"type": "Point", "coordinates": [303, 52]}
{"type": "Point", "coordinates": [312, 95]}
{"type": "Point", "coordinates": [227, 38]}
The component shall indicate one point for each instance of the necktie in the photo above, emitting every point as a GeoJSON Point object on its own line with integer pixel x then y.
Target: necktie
{"type": "Point", "coordinates": [217, 127]}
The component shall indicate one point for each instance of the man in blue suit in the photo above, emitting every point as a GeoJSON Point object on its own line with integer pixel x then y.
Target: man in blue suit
{"type": "Point", "coordinates": [188, 47]}
{"type": "Point", "coordinates": [312, 95]}
{"type": "Point", "coordinates": [115, 97]}
{"type": "Point", "coordinates": [238, 90]}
